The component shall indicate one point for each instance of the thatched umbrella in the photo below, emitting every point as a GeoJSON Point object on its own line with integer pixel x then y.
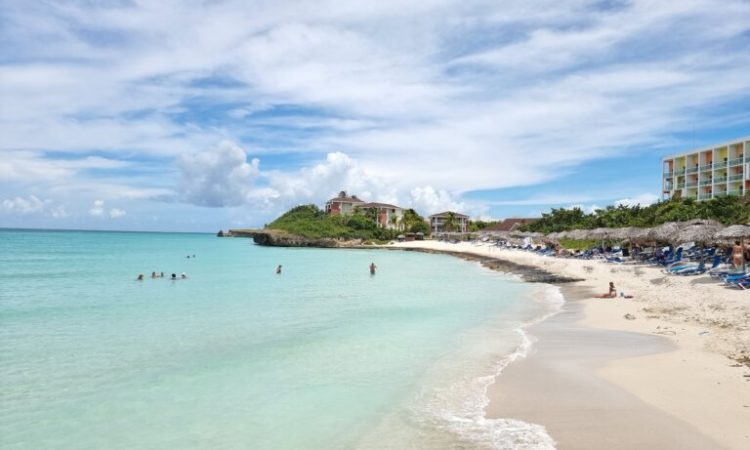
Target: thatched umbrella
{"type": "Point", "coordinates": [639, 235]}
{"type": "Point", "coordinates": [526, 234]}
{"type": "Point", "coordinates": [735, 232]}
{"type": "Point", "coordinates": [664, 232]}
{"type": "Point", "coordinates": [699, 231]}
{"type": "Point", "coordinates": [577, 235]}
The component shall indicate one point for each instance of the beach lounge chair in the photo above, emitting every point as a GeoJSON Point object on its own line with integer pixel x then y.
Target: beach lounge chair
{"type": "Point", "coordinates": [701, 267]}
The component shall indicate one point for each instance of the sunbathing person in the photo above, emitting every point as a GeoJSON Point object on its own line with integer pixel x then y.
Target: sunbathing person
{"type": "Point", "coordinates": [612, 292]}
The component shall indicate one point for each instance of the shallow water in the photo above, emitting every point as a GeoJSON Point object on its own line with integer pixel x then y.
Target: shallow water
{"type": "Point", "coordinates": [322, 356]}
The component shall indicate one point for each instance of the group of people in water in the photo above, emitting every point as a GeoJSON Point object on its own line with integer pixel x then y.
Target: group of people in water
{"type": "Point", "coordinates": [154, 275]}
{"type": "Point", "coordinates": [373, 267]}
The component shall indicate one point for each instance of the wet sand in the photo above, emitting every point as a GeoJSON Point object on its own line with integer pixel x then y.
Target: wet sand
{"type": "Point", "coordinates": [558, 386]}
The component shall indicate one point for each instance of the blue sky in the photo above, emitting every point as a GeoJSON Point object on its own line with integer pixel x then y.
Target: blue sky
{"type": "Point", "coordinates": [200, 115]}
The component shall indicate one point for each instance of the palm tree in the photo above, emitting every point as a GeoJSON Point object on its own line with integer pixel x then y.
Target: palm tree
{"type": "Point", "coordinates": [372, 214]}
{"type": "Point", "coordinates": [396, 222]}
{"type": "Point", "coordinates": [450, 222]}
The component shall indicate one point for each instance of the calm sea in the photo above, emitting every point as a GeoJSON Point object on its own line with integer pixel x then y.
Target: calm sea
{"type": "Point", "coordinates": [323, 356]}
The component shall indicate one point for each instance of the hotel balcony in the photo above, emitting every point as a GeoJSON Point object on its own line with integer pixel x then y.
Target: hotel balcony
{"type": "Point", "coordinates": [668, 174]}
{"type": "Point", "coordinates": [720, 164]}
{"type": "Point", "coordinates": [736, 161]}
{"type": "Point", "coordinates": [704, 196]}
{"type": "Point", "coordinates": [720, 180]}
{"type": "Point", "coordinates": [737, 177]}
{"type": "Point", "coordinates": [707, 167]}
{"type": "Point", "coordinates": [706, 182]}
{"type": "Point", "coordinates": [734, 192]}
{"type": "Point", "coordinates": [692, 170]}
{"type": "Point", "coordinates": [691, 184]}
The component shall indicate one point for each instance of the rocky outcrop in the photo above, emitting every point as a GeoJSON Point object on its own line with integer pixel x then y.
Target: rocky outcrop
{"type": "Point", "coordinates": [275, 238]}
{"type": "Point", "coordinates": [278, 238]}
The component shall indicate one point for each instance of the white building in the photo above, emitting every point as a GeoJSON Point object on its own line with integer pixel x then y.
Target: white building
{"type": "Point", "coordinates": [709, 172]}
{"type": "Point", "coordinates": [438, 222]}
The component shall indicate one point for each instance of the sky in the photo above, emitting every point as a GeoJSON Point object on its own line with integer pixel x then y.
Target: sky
{"type": "Point", "coordinates": [206, 115]}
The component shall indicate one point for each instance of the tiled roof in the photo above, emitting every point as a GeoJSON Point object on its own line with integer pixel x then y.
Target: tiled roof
{"type": "Point", "coordinates": [445, 214]}
{"type": "Point", "coordinates": [346, 199]}
{"type": "Point", "coordinates": [380, 205]}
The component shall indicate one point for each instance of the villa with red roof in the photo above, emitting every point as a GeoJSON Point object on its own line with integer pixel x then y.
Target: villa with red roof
{"type": "Point", "coordinates": [386, 215]}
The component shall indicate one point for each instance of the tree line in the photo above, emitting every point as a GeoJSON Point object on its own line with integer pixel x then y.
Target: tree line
{"type": "Point", "coordinates": [728, 210]}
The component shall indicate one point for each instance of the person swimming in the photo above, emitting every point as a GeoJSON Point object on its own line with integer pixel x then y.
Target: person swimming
{"type": "Point", "coordinates": [183, 275]}
{"type": "Point", "coordinates": [174, 276]}
{"type": "Point", "coordinates": [372, 268]}
{"type": "Point", "coordinates": [278, 269]}
{"type": "Point", "coordinates": [139, 277]}
{"type": "Point", "coordinates": [154, 275]}
{"type": "Point", "coordinates": [161, 275]}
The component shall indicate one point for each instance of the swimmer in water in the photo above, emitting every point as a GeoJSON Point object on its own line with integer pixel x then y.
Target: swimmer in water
{"type": "Point", "coordinates": [183, 275]}
{"type": "Point", "coordinates": [174, 277]}
{"type": "Point", "coordinates": [154, 275]}
{"type": "Point", "coordinates": [140, 277]}
{"type": "Point", "coordinates": [372, 268]}
{"type": "Point", "coordinates": [278, 270]}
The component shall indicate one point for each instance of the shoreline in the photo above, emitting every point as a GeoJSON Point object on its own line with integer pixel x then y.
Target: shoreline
{"type": "Point", "coordinates": [679, 376]}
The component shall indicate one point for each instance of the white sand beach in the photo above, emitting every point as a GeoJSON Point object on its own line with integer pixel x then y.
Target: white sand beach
{"type": "Point", "coordinates": [685, 373]}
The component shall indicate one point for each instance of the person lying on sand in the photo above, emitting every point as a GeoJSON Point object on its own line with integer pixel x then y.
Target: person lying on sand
{"type": "Point", "coordinates": [612, 292]}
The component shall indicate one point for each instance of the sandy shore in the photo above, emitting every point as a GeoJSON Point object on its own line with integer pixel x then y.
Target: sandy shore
{"type": "Point", "coordinates": [661, 379]}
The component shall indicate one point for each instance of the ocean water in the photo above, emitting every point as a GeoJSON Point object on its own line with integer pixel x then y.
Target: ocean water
{"type": "Point", "coordinates": [323, 356]}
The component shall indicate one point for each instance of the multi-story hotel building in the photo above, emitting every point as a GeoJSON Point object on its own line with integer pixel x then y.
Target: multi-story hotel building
{"type": "Point", "coordinates": [708, 172]}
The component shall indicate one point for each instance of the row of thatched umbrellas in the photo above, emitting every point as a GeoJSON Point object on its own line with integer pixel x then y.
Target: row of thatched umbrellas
{"type": "Point", "coordinates": [702, 232]}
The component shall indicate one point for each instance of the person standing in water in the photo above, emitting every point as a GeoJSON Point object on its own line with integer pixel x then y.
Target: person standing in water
{"type": "Point", "coordinates": [372, 268]}
{"type": "Point", "coordinates": [278, 270]}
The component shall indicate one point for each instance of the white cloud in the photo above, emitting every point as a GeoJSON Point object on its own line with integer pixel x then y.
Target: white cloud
{"type": "Point", "coordinates": [97, 210]}
{"type": "Point", "coordinates": [642, 200]}
{"type": "Point", "coordinates": [116, 213]}
{"type": "Point", "coordinates": [427, 200]}
{"type": "Point", "coordinates": [33, 205]}
{"type": "Point", "coordinates": [218, 177]}
{"type": "Point", "coordinates": [471, 95]}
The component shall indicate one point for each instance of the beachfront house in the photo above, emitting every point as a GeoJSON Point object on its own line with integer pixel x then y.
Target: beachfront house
{"type": "Point", "coordinates": [448, 221]}
{"type": "Point", "coordinates": [343, 204]}
{"type": "Point", "coordinates": [385, 215]}
{"type": "Point", "coordinates": [708, 172]}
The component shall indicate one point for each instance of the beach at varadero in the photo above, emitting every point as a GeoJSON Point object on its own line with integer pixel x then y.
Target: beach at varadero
{"type": "Point", "coordinates": [664, 369]}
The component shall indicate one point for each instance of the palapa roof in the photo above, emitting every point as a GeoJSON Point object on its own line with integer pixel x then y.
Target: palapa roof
{"type": "Point", "coordinates": [734, 232]}
{"type": "Point", "coordinates": [510, 224]}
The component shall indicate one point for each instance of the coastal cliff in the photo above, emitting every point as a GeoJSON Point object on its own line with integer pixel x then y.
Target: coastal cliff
{"type": "Point", "coordinates": [278, 238]}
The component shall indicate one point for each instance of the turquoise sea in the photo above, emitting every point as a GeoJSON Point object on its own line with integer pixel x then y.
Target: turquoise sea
{"type": "Point", "coordinates": [323, 356]}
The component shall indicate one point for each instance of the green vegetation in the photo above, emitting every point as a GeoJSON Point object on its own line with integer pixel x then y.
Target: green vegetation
{"type": "Point", "coordinates": [311, 222]}
{"type": "Point", "coordinates": [728, 210]}
{"type": "Point", "coordinates": [414, 223]}
{"type": "Point", "coordinates": [477, 225]}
